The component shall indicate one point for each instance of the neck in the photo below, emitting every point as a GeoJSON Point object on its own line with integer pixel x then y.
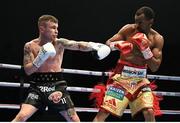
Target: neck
{"type": "Point", "coordinates": [43, 40]}
{"type": "Point", "coordinates": [146, 31]}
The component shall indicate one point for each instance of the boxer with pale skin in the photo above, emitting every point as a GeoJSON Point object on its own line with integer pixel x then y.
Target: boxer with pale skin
{"type": "Point", "coordinates": [42, 63]}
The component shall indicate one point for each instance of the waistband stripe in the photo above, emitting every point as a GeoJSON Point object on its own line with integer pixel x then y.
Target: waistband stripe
{"type": "Point", "coordinates": [134, 72]}
{"type": "Point", "coordinates": [45, 77]}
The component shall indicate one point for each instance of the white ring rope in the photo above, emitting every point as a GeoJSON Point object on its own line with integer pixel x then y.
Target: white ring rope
{"type": "Point", "coordinates": [83, 89]}
{"type": "Point", "coordinates": [26, 85]}
{"type": "Point", "coordinates": [81, 109]}
{"type": "Point", "coordinates": [95, 73]}
{"type": "Point", "coordinates": [10, 66]}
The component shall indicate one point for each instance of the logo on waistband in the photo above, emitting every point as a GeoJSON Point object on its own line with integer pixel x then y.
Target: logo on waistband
{"type": "Point", "coordinates": [133, 72]}
{"type": "Point", "coordinates": [46, 88]}
{"type": "Point", "coordinates": [33, 96]}
{"type": "Point", "coordinates": [115, 92]}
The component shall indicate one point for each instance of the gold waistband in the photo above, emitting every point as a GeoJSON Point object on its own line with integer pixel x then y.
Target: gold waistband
{"type": "Point", "coordinates": [131, 84]}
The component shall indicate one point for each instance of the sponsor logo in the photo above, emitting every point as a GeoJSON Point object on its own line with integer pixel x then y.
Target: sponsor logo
{"type": "Point", "coordinates": [33, 96]}
{"type": "Point", "coordinates": [46, 88]}
{"type": "Point", "coordinates": [43, 50]}
{"type": "Point", "coordinates": [133, 72]}
{"type": "Point", "coordinates": [146, 89]}
{"type": "Point", "coordinates": [63, 100]}
{"type": "Point", "coordinates": [115, 92]}
{"type": "Point", "coordinates": [111, 103]}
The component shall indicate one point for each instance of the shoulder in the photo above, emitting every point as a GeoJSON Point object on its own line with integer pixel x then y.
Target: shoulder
{"type": "Point", "coordinates": [31, 43]}
{"type": "Point", "coordinates": [128, 28]}
{"type": "Point", "coordinates": [157, 35]}
{"type": "Point", "coordinates": [158, 39]}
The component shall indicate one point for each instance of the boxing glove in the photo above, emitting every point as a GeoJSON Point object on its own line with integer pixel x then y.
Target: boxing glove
{"type": "Point", "coordinates": [124, 46]}
{"type": "Point", "coordinates": [100, 50]}
{"type": "Point", "coordinates": [141, 41]}
{"type": "Point", "coordinates": [46, 51]}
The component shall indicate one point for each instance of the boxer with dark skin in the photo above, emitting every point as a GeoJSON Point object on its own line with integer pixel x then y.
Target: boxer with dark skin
{"type": "Point", "coordinates": [140, 48]}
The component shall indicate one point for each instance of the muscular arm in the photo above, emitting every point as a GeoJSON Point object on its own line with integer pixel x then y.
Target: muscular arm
{"type": "Point", "coordinates": [155, 62]}
{"type": "Point", "coordinates": [28, 59]}
{"type": "Point", "coordinates": [100, 50]}
{"type": "Point", "coordinates": [74, 45]}
{"type": "Point", "coordinates": [116, 37]}
{"type": "Point", "coordinates": [120, 35]}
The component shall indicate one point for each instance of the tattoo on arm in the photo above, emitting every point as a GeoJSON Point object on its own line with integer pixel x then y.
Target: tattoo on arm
{"type": "Point", "coordinates": [72, 44]}
{"type": "Point", "coordinates": [27, 55]}
{"type": "Point", "coordinates": [75, 45]}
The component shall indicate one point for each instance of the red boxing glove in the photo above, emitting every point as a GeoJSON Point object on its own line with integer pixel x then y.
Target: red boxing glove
{"type": "Point", "coordinates": [141, 41]}
{"type": "Point", "coordinates": [124, 46]}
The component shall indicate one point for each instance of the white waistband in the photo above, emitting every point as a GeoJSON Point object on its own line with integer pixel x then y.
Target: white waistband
{"type": "Point", "coordinates": [134, 72]}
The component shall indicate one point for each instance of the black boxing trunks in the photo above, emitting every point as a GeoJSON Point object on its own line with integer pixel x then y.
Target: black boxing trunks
{"type": "Point", "coordinates": [42, 85]}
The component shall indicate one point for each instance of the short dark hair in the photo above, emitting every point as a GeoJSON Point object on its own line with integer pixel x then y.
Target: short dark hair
{"type": "Point", "coordinates": [147, 11]}
{"type": "Point", "coordinates": [45, 18]}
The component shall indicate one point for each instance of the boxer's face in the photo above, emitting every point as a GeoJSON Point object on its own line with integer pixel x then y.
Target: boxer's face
{"type": "Point", "coordinates": [50, 30]}
{"type": "Point", "coordinates": [142, 22]}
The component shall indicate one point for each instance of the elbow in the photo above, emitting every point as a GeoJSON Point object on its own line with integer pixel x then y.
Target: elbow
{"type": "Point", "coordinates": [154, 64]}
{"type": "Point", "coordinates": [155, 68]}
{"type": "Point", "coordinates": [108, 42]}
{"type": "Point", "coordinates": [28, 71]}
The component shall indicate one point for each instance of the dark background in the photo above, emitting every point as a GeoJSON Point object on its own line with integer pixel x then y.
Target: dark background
{"type": "Point", "coordinates": [89, 20]}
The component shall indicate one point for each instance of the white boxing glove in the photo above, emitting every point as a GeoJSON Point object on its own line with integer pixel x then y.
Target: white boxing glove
{"type": "Point", "coordinates": [101, 50]}
{"type": "Point", "coordinates": [46, 51]}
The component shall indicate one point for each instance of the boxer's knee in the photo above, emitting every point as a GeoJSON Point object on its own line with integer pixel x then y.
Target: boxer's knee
{"type": "Point", "coordinates": [73, 115]}
{"type": "Point", "coordinates": [101, 116]}
{"type": "Point", "coordinates": [149, 114]}
{"type": "Point", "coordinates": [148, 111]}
{"type": "Point", "coordinates": [70, 115]}
{"type": "Point", "coordinates": [75, 118]}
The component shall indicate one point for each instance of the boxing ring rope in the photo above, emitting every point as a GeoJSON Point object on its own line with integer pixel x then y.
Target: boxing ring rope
{"type": "Point", "coordinates": [80, 109]}
{"type": "Point", "coordinates": [26, 85]}
{"type": "Point", "coordinates": [82, 89]}
{"type": "Point", "coordinates": [95, 73]}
